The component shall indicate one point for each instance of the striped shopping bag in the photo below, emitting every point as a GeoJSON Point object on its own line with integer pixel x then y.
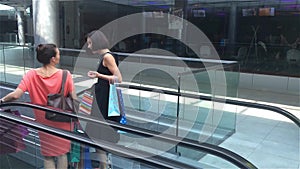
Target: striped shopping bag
{"type": "Point", "coordinates": [86, 102]}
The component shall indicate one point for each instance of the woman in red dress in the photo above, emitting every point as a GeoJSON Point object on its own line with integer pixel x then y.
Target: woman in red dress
{"type": "Point", "coordinates": [39, 83]}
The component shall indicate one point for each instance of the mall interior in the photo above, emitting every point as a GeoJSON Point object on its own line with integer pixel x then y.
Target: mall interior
{"type": "Point", "coordinates": [205, 83]}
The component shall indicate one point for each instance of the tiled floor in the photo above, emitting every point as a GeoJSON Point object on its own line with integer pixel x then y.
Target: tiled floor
{"type": "Point", "coordinates": [265, 142]}
{"type": "Point", "coordinates": [265, 138]}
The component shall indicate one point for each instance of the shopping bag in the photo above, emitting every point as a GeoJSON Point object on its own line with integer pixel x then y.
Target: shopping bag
{"type": "Point", "coordinates": [113, 103]}
{"type": "Point", "coordinates": [122, 110]}
{"type": "Point", "coordinates": [12, 134]}
{"type": "Point", "coordinates": [121, 107]}
{"type": "Point", "coordinates": [87, 159]}
{"type": "Point", "coordinates": [86, 102]}
{"type": "Point", "coordinates": [74, 154]}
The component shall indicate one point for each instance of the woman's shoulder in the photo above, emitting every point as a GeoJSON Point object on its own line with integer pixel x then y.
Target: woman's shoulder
{"type": "Point", "coordinates": [69, 74]}
{"type": "Point", "coordinates": [109, 56]}
{"type": "Point", "coordinates": [109, 53]}
{"type": "Point", "coordinates": [31, 72]}
{"type": "Point", "coordinates": [66, 70]}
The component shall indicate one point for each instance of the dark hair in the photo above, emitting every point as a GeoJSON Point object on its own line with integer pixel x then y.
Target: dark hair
{"type": "Point", "coordinates": [44, 53]}
{"type": "Point", "coordinates": [99, 40]}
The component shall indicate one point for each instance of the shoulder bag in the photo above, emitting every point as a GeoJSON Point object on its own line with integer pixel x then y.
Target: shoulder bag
{"type": "Point", "coordinates": [66, 103]}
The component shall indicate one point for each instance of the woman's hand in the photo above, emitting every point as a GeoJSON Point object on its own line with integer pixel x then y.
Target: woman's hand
{"type": "Point", "coordinates": [92, 74]}
{"type": "Point", "coordinates": [110, 78]}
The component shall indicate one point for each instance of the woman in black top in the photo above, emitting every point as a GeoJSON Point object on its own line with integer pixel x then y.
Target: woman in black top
{"type": "Point", "coordinates": [107, 72]}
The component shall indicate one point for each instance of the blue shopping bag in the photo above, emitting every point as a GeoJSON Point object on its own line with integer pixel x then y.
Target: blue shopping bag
{"type": "Point", "coordinates": [113, 103]}
{"type": "Point", "coordinates": [121, 107]}
{"type": "Point", "coordinates": [122, 110]}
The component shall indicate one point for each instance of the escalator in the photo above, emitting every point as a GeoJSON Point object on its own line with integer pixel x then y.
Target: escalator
{"type": "Point", "coordinates": [185, 151]}
{"type": "Point", "coordinates": [121, 155]}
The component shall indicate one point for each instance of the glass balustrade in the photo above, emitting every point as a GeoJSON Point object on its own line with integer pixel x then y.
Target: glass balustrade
{"type": "Point", "coordinates": [244, 130]}
{"type": "Point", "coordinates": [21, 148]}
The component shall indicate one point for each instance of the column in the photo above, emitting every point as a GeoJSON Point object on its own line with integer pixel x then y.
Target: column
{"type": "Point", "coordinates": [71, 18]}
{"type": "Point", "coordinates": [46, 21]}
{"type": "Point", "coordinates": [181, 7]}
{"type": "Point", "coordinates": [20, 20]}
{"type": "Point", "coordinates": [232, 28]}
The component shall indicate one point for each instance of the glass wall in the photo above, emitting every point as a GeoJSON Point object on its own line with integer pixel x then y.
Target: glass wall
{"type": "Point", "coordinates": [262, 35]}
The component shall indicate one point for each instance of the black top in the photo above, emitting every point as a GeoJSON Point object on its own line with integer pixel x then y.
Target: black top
{"type": "Point", "coordinates": [102, 89]}
{"type": "Point", "coordinates": [102, 95]}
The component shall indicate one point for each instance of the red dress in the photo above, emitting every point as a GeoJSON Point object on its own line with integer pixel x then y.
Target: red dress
{"type": "Point", "coordinates": [39, 87]}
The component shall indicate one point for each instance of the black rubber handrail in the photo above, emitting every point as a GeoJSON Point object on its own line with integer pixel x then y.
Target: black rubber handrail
{"type": "Point", "coordinates": [175, 58]}
{"type": "Point", "coordinates": [220, 100]}
{"type": "Point", "coordinates": [205, 147]}
{"type": "Point", "coordinates": [141, 156]}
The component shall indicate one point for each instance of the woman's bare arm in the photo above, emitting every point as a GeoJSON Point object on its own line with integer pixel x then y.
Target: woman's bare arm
{"type": "Point", "coordinates": [16, 94]}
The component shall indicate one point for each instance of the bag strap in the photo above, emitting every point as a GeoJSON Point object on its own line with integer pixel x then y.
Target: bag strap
{"type": "Point", "coordinates": [62, 88]}
{"type": "Point", "coordinates": [64, 77]}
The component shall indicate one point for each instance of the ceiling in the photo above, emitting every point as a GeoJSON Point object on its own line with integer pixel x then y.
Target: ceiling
{"type": "Point", "coordinates": [26, 3]}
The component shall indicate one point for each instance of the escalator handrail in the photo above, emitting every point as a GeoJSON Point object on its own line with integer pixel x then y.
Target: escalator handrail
{"type": "Point", "coordinates": [281, 111]}
{"type": "Point", "coordinates": [123, 54]}
{"type": "Point", "coordinates": [206, 147]}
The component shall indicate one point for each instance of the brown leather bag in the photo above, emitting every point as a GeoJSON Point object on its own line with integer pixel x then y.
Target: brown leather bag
{"type": "Point", "coordinates": [65, 103]}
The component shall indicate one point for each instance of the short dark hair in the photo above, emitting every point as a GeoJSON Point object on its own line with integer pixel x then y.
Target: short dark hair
{"type": "Point", "coordinates": [44, 53]}
{"type": "Point", "coordinates": [99, 40]}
